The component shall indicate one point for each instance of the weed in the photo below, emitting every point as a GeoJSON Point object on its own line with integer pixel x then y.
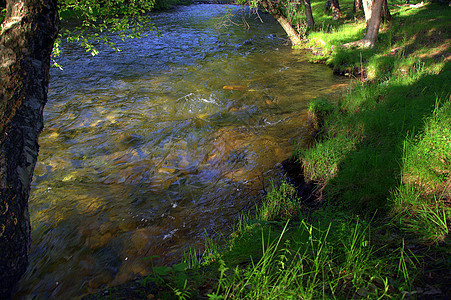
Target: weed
{"type": "Point", "coordinates": [281, 203]}
{"type": "Point", "coordinates": [174, 277]}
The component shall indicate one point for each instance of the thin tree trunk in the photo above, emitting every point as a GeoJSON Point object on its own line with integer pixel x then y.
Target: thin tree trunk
{"type": "Point", "coordinates": [335, 9]}
{"type": "Point", "coordinates": [283, 21]}
{"type": "Point", "coordinates": [26, 41]}
{"type": "Point", "coordinates": [327, 6]}
{"type": "Point", "coordinates": [334, 6]}
{"type": "Point", "coordinates": [309, 15]}
{"type": "Point", "coordinates": [385, 12]}
{"type": "Point", "coordinates": [357, 6]}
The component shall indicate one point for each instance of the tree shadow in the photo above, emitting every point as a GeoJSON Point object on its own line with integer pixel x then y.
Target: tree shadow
{"type": "Point", "coordinates": [388, 115]}
{"type": "Point", "coordinates": [390, 109]}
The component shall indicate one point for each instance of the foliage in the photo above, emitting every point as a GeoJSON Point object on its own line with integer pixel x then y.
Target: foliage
{"type": "Point", "coordinates": [318, 110]}
{"type": "Point", "coordinates": [281, 203]}
{"type": "Point", "coordinates": [365, 131]}
{"type": "Point", "coordinates": [125, 18]}
{"type": "Point", "coordinates": [322, 162]}
{"type": "Point", "coordinates": [2, 13]}
{"type": "Point", "coordinates": [385, 151]}
{"type": "Point", "coordinates": [174, 277]}
{"type": "Point", "coordinates": [320, 106]}
{"type": "Point", "coordinates": [425, 180]}
{"type": "Point", "coordinates": [292, 10]}
{"type": "Point", "coordinates": [128, 19]}
{"type": "Point", "coordinates": [331, 257]}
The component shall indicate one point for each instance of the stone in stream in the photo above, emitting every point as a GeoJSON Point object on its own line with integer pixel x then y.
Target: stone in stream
{"type": "Point", "coordinates": [234, 87]}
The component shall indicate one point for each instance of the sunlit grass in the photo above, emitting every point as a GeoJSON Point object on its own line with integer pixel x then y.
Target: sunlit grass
{"type": "Point", "coordinates": [426, 179]}
{"type": "Point", "coordinates": [383, 161]}
{"type": "Point", "coordinates": [281, 203]}
{"type": "Point", "coordinates": [382, 150]}
{"type": "Point", "coordinates": [332, 257]}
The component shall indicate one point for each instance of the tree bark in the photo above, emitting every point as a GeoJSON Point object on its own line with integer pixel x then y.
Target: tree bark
{"type": "Point", "coordinates": [372, 10]}
{"type": "Point", "coordinates": [309, 15]}
{"type": "Point", "coordinates": [327, 6]}
{"type": "Point", "coordinates": [334, 6]}
{"type": "Point", "coordinates": [357, 6]}
{"type": "Point", "coordinates": [26, 41]}
{"type": "Point", "coordinates": [385, 12]}
{"type": "Point", "coordinates": [335, 9]}
{"type": "Point", "coordinates": [283, 21]}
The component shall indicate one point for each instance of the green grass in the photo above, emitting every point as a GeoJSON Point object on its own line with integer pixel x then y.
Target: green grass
{"type": "Point", "coordinates": [418, 202]}
{"type": "Point", "coordinates": [364, 136]}
{"type": "Point", "coordinates": [281, 203]}
{"type": "Point", "coordinates": [331, 257]}
{"type": "Point", "coordinates": [383, 160]}
{"type": "Point", "coordinates": [2, 14]}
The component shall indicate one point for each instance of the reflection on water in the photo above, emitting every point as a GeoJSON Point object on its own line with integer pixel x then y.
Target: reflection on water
{"type": "Point", "coordinates": [145, 150]}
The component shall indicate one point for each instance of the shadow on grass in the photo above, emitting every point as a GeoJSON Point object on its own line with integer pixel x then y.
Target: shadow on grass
{"type": "Point", "coordinates": [361, 159]}
{"type": "Point", "coordinates": [413, 34]}
{"type": "Point", "coordinates": [387, 115]}
{"type": "Point", "coordinates": [361, 154]}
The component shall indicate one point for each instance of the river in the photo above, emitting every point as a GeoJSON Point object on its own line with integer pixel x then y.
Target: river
{"type": "Point", "coordinates": [146, 150]}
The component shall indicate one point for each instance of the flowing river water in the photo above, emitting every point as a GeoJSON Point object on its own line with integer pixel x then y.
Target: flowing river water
{"type": "Point", "coordinates": [146, 150]}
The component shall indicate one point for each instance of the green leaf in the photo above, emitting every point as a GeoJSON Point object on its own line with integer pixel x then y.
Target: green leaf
{"type": "Point", "coordinates": [215, 297]}
{"type": "Point", "coordinates": [180, 267]}
{"type": "Point", "coordinates": [162, 271]}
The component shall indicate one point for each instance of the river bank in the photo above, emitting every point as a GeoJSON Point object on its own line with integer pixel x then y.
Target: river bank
{"type": "Point", "coordinates": [377, 222]}
{"type": "Point", "coordinates": [147, 149]}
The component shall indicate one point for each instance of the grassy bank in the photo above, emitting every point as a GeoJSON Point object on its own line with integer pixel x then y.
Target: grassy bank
{"type": "Point", "coordinates": [377, 223]}
{"type": "Point", "coordinates": [386, 145]}
{"type": "Point", "coordinates": [378, 227]}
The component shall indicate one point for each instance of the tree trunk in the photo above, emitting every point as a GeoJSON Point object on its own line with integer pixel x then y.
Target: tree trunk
{"type": "Point", "coordinates": [309, 15]}
{"type": "Point", "coordinates": [385, 12]}
{"type": "Point", "coordinates": [26, 41]}
{"type": "Point", "coordinates": [327, 6]}
{"type": "Point", "coordinates": [283, 21]}
{"type": "Point", "coordinates": [357, 6]}
{"type": "Point", "coordinates": [335, 9]}
{"type": "Point", "coordinates": [334, 6]}
{"type": "Point", "coordinates": [372, 10]}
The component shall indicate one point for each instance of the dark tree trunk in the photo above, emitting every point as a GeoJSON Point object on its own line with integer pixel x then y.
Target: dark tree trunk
{"type": "Point", "coordinates": [335, 9]}
{"type": "Point", "coordinates": [327, 6]}
{"type": "Point", "coordinates": [294, 36]}
{"type": "Point", "coordinates": [309, 15]}
{"type": "Point", "coordinates": [26, 41]}
{"type": "Point", "coordinates": [334, 6]}
{"type": "Point", "coordinates": [385, 13]}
